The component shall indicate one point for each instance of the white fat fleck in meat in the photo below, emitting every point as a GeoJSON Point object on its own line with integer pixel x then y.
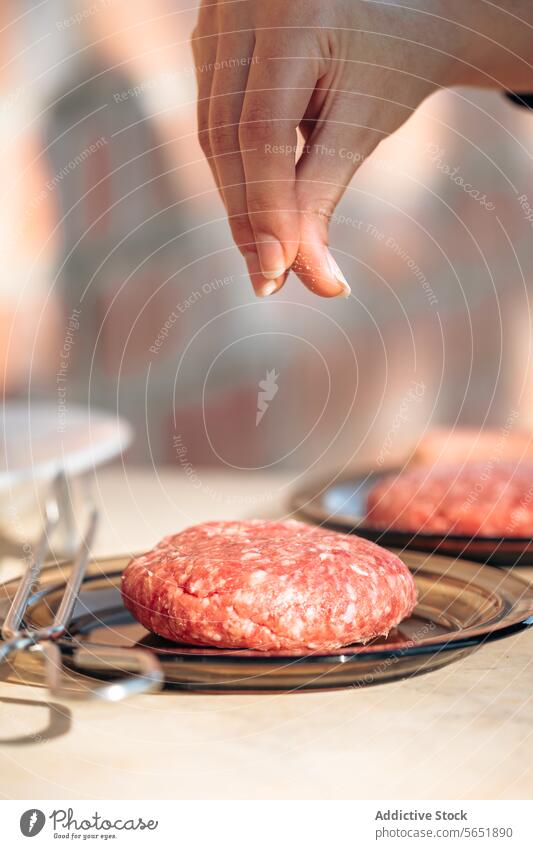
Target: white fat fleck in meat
{"type": "Point", "coordinates": [359, 569]}
{"type": "Point", "coordinates": [293, 626]}
{"type": "Point", "coordinates": [287, 595]}
{"type": "Point", "coordinates": [258, 577]}
{"type": "Point", "coordinates": [351, 592]}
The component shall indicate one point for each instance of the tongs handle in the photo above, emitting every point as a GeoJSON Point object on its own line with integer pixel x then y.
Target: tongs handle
{"type": "Point", "coordinates": [72, 587]}
{"type": "Point", "coordinates": [17, 643]}
{"type": "Point", "coordinates": [146, 672]}
{"type": "Point", "coordinates": [30, 578]}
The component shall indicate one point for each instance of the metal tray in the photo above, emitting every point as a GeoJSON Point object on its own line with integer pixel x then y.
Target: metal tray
{"type": "Point", "coordinates": [461, 606]}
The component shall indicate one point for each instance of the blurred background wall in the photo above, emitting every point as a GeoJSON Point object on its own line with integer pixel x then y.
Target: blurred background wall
{"type": "Point", "coordinates": [108, 214]}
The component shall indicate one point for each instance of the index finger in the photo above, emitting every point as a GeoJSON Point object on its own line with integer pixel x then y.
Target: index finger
{"type": "Point", "coordinates": [204, 43]}
{"type": "Point", "coordinates": [280, 85]}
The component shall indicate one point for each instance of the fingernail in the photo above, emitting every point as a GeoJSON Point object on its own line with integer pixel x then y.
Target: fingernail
{"type": "Point", "coordinates": [261, 288]}
{"type": "Point", "coordinates": [266, 290]}
{"type": "Point", "coordinates": [338, 275]}
{"type": "Point", "coordinates": [271, 256]}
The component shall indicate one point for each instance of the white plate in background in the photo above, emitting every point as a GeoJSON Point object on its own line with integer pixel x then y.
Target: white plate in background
{"type": "Point", "coordinates": [35, 443]}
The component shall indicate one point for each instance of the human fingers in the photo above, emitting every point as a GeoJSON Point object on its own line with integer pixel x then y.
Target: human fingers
{"type": "Point", "coordinates": [234, 55]}
{"type": "Point", "coordinates": [281, 80]}
{"type": "Point", "coordinates": [204, 42]}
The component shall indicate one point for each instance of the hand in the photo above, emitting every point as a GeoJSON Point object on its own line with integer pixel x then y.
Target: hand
{"type": "Point", "coordinates": [345, 74]}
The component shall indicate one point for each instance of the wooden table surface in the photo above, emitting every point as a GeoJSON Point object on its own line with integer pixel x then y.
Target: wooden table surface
{"type": "Point", "coordinates": [462, 732]}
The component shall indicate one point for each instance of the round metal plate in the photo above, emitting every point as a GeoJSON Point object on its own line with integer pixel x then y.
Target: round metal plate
{"type": "Point", "coordinates": [341, 505]}
{"type": "Point", "coordinates": [461, 605]}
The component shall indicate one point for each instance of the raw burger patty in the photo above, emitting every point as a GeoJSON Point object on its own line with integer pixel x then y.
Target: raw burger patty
{"type": "Point", "coordinates": [477, 498]}
{"type": "Point", "coordinates": [267, 585]}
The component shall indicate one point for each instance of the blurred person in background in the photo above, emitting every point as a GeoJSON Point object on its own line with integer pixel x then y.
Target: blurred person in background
{"type": "Point", "coordinates": [109, 208]}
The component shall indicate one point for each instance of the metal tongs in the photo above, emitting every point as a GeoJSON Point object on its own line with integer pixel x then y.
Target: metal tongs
{"type": "Point", "coordinates": [146, 673]}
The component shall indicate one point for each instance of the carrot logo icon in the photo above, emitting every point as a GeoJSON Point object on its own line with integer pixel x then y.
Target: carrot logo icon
{"type": "Point", "coordinates": [267, 390]}
{"type": "Point", "coordinates": [32, 822]}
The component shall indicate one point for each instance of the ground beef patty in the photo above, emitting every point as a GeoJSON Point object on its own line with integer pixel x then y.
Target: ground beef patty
{"type": "Point", "coordinates": [267, 585]}
{"type": "Point", "coordinates": [489, 499]}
